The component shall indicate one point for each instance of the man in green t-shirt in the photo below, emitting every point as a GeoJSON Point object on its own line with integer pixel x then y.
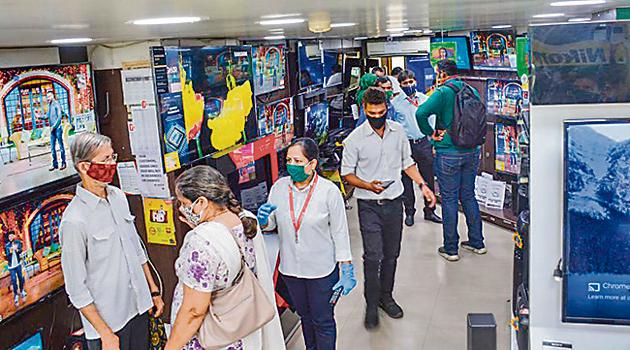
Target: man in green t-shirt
{"type": "Point", "coordinates": [456, 168]}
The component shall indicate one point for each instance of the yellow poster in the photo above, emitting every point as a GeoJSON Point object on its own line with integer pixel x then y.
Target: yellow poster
{"type": "Point", "coordinates": [172, 162]}
{"type": "Point", "coordinates": [158, 218]}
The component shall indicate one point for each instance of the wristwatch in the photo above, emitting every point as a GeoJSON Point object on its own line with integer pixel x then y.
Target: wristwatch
{"type": "Point", "coordinates": [155, 294]}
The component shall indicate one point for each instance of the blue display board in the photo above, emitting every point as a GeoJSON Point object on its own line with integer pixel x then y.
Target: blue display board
{"type": "Point", "coordinates": [463, 50]}
{"type": "Point", "coordinates": [421, 67]}
{"type": "Point", "coordinates": [597, 222]}
{"type": "Point", "coordinates": [310, 64]}
{"type": "Point", "coordinates": [34, 342]}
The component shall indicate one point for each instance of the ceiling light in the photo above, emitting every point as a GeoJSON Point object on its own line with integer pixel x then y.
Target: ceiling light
{"type": "Point", "coordinates": [580, 19]}
{"type": "Point", "coordinates": [428, 31]}
{"type": "Point", "coordinates": [502, 26]}
{"type": "Point", "coordinates": [277, 30]}
{"type": "Point", "coordinates": [360, 38]}
{"type": "Point", "coordinates": [165, 20]}
{"type": "Point", "coordinates": [71, 26]}
{"type": "Point", "coordinates": [71, 41]}
{"type": "Point", "coordinates": [340, 25]}
{"type": "Point", "coordinates": [275, 37]}
{"type": "Point", "coordinates": [414, 31]}
{"type": "Point", "coordinates": [395, 35]}
{"type": "Point", "coordinates": [402, 29]}
{"type": "Point", "coordinates": [276, 22]}
{"type": "Point", "coordinates": [280, 16]}
{"type": "Point", "coordinates": [549, 15]}
{"type": "Point", "coordinates": [578, 3]}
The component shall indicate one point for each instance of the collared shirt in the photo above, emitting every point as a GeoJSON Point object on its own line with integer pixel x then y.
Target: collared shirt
{"type": "Point", "coordinates": [323, 238]}
{"type": "Point", "coordinates": [371, 158]}
{"type": "Point", "coordinates": [102, 259]}
{"type": "Point", "coordinates": [406, 108]}
{"type": "Point", "coordinates": [54, 114]}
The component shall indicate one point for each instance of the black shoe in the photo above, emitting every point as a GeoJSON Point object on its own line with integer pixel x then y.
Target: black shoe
{"type": "Point", "coordinates": [63, 167]}
{"type": "Point", "coordinates": [479, 251]}
{"type": "Point", "coordinates": [409, 221]}
{"type": "Point", "coordinates": [52, 168]}
{"type": "Point", "coordinates": [449, 257]}
{"type": "Point", "coordinates": [433, 217]}
{"type": "Point", "coordinates": [391, 308]}
{"type": "Point", "coordinates": [371, 318]}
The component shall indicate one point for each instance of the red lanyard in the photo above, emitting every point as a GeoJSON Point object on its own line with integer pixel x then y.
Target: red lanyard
{"type": "Point", "coordinates": [298, 223]}
{"type": "Point", "coordinates": [413, 102]}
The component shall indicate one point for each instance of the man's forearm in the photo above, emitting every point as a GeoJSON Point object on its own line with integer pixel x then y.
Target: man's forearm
{"type": "Point", "coordinates": [147, 274]}
{"type": "Point", "coordinates": [91, 313]}
{"type": "Point", "coordinates": [414, 174]}
{"type": "Point", "coordinates": [354, 180]}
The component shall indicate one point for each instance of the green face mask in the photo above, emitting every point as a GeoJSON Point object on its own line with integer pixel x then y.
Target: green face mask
{"type": "Point", "coordinates": [296, 172]}
{"type": "Point", "coordinates": [389, 94]}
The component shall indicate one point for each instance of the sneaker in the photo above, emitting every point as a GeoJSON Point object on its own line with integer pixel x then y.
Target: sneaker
{"type": "Point", "coordinates": [479, 251]}
{"type": "Point", "coordinates": [16, 300]}
{"type": "Point", "coordinates": [391, 308]}
{"type": "Point", "coordinates": [24, 295]}
{"type": "Point", "coordinates": [409, 221]}
{"type": "Point", "coordinates": [52, 168]}
{"type": "Point", "coordinates": [447, 256]}
{"type": "Point", "coordinates": [371, 318]}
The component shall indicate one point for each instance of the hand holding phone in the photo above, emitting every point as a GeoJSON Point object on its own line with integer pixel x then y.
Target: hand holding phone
{"type": "Point", "coordinates": [386, 184]}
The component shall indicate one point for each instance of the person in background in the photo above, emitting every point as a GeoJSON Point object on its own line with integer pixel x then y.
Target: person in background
{"type": "Point", "coordinates": [55, 114]}
{"type": "Point", "coordinates": [456, 168]}
{"type": "Point", "coordinates": [13, 251]}
{"type": "Point", "coordinates": [394, 79]}
{"type": "Point", "coordinates": [378, 71]}
{"type": "Point", "coordinates": [104, 265]}
{"type": "Point", "coordinates": [308, 211]}
{"type": "Point", "coordinates": [375, 154]}
{"type": "Point", "coordinates": [385, 84]}
{"type": "Point", "coordinates": [208, 206]}
{"type": "Point", "coordinates": [406, 105]}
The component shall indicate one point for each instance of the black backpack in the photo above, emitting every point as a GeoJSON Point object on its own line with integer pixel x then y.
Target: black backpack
{"type": "Point", "coordinates": [468, 129]}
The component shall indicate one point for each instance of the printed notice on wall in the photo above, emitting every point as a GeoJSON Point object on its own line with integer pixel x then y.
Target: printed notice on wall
{"type": "Point", "coordinates": [128, 177]}
{"type": "Point", "coordinates": [137, 86]}
{"type": "Point", "coordinates": [158, 218]}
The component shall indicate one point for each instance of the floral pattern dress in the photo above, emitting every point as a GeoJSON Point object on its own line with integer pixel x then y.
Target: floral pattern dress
{"type": "Point", "coordinates": [200, 267]}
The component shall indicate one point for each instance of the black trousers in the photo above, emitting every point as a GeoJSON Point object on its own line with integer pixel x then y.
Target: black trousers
{"type": "Point", "coordinates": [134, 336]}
{"type": "Point", "coordinates": [422, 154]}
{"type": "Point", "coordinates": [381, 231]}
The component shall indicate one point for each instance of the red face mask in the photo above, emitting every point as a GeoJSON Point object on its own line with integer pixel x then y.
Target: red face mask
{"type": "Point", "coordinates": [102, 172]}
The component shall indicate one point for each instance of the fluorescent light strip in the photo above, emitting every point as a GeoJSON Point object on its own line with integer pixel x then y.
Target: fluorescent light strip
{"type": "Point", "coordinates": [395, 35]}
{"type": "Point", "coordinates": [276, 22]}
{"type": "Point", "coordinates": [71, 41]}
{"type": "Point", "coordinates": [275, 37]}
{"type": "Point", "coordinates": [549, 15]}
{"type": "Point", "coordinates": [414, 31]}
{"type": "Point", "coordinates": [397, 29]}
{"type": "Point", "coordinates": [360, 38]}
{"type": "Point", "coordinates": [340, 25]}
{"type": "Point", "coordinates": [280, 16]}
{"type": "Point", "coordinates": [165, 20]}
{"type": "Point", "coordinates": [577, 3]}
{"type": "Point", "coordinates": [580, 19]}
{"type": "Point", "coordinates": [502, 26]}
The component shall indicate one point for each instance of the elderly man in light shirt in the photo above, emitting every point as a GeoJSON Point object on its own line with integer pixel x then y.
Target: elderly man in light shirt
{"type": "Point", "coordinates": [104, 264]}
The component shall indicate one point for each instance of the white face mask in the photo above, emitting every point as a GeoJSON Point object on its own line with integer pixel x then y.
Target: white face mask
{"type": "Point", "coordinates": [191, 217]}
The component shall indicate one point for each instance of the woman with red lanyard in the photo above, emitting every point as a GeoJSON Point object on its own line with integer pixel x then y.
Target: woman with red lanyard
{"type": "Point", "coordinates": [309, 214]}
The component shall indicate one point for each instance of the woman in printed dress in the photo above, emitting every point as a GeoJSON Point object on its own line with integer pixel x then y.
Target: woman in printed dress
{"type": "Point", "coordinates": [206, 202]}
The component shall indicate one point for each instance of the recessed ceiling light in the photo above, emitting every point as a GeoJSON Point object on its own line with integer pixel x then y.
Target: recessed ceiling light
{"type": "Point", "coordinates": [285, 15]}
{"type": "Point", "coordinates": [165, 20]}
{"type": "Point", "coordinates": [395, 35]}
{"type": "Point", "coordinates": [502, 26]}
{"type": "Point", "coordinates": [277, 22]}
{"type": "Point", "coordinates": [578, 3]}
{"type": "Point", "coordinates": [580, 19]}
{"type": "Point", "coordinates": [428, 31]}
{"type": "Point", "coordinates": [71, 41]}
{"type": "Point", "coordinates": [361, 38]}
{"type": "Point", "coordinates": [402, 29]}
{"type": "Point", "coordinates": [549, 15]}
{"type": "Point", "coordinates": [414, 31]}
{"type": "Point", "coordinates": [340, 25]}
{"type": "Point", "coordinates": [71, 26]}
{"type": "Point", "coordinates": [277, 30]}
{"type": "Point", "coordinates": [275, 37]}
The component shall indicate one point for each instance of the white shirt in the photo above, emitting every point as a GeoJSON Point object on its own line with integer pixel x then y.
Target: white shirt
{"type": "Point", "coordinates": [323, 239]}
{"type": "Point", "coordinates": [371, 158]}
{"type": "Point", "coordinates": [102, 258]}
{"type": "Point", "coordinates": [334, 79]}
{"type": "Point", "coordinates": [14, 259]}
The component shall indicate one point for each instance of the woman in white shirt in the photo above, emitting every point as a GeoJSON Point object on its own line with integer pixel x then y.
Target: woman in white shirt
{"type": "Point", "coordinates": [309, 214]}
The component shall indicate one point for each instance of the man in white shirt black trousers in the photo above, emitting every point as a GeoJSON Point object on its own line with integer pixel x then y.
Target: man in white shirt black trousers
{"type": "Point", "coordinates": [375, 154]}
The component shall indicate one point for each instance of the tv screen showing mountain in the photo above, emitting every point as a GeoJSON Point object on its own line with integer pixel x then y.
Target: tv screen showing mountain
{"type": "Point", "coordinates": [597, 222]}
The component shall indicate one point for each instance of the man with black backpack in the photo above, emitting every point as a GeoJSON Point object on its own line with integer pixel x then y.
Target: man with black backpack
{"type": "Point", "coordinates": [460, 130]}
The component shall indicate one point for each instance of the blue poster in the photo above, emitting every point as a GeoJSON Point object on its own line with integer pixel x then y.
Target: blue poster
{"type": "Point", "coordinates": [316, 122]}
{"type": "Point", "coordinates": [32, 343]}
{"type": "Point", "coordinates": [173, 126]}
{"type": "Point", "coordinates": [422, 68]}
{"type": "Point", "coordinates": [597, 222]}
{"type": "Point", "coordinates": [310, 64]}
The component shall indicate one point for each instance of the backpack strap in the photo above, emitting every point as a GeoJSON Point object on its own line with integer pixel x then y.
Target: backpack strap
{"type": "Point", "coordinates": [452, 86]}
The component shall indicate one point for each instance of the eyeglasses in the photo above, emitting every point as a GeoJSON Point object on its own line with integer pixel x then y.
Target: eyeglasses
{"type": "Point", "coordinates": [109, 159]}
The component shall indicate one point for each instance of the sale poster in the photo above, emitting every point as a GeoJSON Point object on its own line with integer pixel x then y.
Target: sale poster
{"type": "Point", "coordinates": [158, 218]}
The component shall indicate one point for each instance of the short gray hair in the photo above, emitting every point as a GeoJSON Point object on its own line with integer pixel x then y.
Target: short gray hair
{"type": "Point", "coordinates": [84, 145]}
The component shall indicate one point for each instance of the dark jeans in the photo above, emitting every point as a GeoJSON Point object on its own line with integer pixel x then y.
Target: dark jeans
{"type": "Point", "coordinates": [422, 153]}
{"type": "Point", "coordinates": [381, 231]}
{"type": "Point", "coordinates": [311, 299]}
{"type": "Point", "coordinates": [17, 276]}
{"type": "Point", "coordinates": [56, 138]}
{"type": "Point", "coordinates": [134, 336]}
{"type": "Point", "coordinates": [456, 174]}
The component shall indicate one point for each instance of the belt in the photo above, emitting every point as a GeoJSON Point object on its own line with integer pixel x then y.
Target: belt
{"type": "Point", "coordinates": [380, 202]}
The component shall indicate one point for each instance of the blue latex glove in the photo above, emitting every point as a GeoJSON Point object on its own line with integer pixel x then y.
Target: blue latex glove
{"type": "Point", "coordinates": [264, 212]}
{"type": "Point", "coordinates": [347, 280]}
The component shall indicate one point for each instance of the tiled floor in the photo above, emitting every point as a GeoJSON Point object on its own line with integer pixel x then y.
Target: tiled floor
{"type": "Point", "coordinates": [436, 295]}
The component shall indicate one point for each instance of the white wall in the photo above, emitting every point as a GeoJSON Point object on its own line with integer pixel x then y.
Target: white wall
{"type": "Point", "coordinates": [28, 57]}
{"type": "Point", "coordinates": [546, 232]}
{"type": "Point", "coordinates": [112, 56]}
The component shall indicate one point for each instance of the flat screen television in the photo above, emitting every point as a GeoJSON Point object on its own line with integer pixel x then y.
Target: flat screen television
{"type": "Point", "coordinates": [504, 98]}
{"type": "Point", "coordinates": [310, 64]}
{"type": "Point", "coordinates": [460, 52]}
{"type": "Point", "coordinates": [277, 118]}
{"type": "Point", "coordinates": [269, 68]}
{"type": "Point", "coordinates": [206, 102]}
{"type": "Point", "coordinates": [494, 50]}
{"type": "Point", "coordinates": [422, 68]}
{"type": "Point", "coordinates": [33, 342]}
{"type": "Point", "coordinates": [316, 122]}
{"type": "Point", "coordinates": [30, 258]}
{"type": "Point", "coordinates": [596, 247]}
{"type": "Point", "coordinates": [507, 149]}
{"type": "Point", "coordinates": [28, 128]}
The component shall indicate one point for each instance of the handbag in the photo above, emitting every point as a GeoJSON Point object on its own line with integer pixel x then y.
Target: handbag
{"type": "Point", "coordinates": [238, 310]}
{"type": "Point", "coordinates": [157, 333]}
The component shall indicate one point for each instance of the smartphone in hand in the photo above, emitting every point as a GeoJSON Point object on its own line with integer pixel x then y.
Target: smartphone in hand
{"type": "Point", "coordinates": [386, 184]}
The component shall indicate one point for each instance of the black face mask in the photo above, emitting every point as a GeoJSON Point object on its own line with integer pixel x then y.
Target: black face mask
{"type": "Point", "coordinates": [376, 123]}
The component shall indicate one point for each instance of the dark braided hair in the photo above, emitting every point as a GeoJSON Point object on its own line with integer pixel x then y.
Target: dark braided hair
{"type": "Point", "coordinates": [205, 181]}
